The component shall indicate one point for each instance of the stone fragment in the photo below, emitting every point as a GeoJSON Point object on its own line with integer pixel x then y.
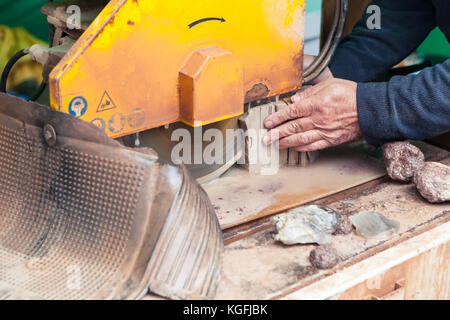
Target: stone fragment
{"type": "Point", "coordinates": [371, 224]}
{"type": "Point", "coordinates": [307, 224]}
{"type": "Point", "coordinates": [402, 160]}
{"type": "Point", "coordinates": [260, 159]}
{"type": "Point", "coordinates": [433, 182]}
{"type": "Point", "coordinates": [344, 227]}
{"type": "Point", "coordinates": [324, 257]}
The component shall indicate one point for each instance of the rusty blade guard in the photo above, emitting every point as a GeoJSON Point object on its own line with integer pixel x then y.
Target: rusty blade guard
{"type": "Point", "coordinates": [82, 217]}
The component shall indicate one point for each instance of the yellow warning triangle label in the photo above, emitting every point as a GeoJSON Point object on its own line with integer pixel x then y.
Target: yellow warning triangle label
{"type": "Point", "coordinates": [106, 103]}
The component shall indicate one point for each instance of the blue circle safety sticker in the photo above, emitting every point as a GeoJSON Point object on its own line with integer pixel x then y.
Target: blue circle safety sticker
{"type": "Point", "coordinates": [78, 106]}
{"type": "Point", "coordinates": [99, 123]}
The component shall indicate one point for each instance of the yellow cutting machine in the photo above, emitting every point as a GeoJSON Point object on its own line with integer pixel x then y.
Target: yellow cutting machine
{"type": "Point", "coordinates": [144, 64]}
{"type": "Point", "coordinates": [77, 207]}
{"type": "Point", "coordinates": [129, 66]}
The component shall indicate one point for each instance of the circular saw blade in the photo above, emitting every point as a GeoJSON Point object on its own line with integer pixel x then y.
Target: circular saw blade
{"type": "Point", "coordinates": [163, 141]}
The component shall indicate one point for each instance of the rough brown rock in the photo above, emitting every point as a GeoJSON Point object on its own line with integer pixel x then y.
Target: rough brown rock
{"type": "Point", "coordinates": [402, 160]}
{"type": "Point", "coordinates": [324, 257]}
{"type": "Point", "coordinates": [344, 227]}
{"type": "Point", "coordinates": [433, 182]}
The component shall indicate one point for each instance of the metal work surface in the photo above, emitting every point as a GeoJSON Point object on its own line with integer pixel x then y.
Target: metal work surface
{"type": "Point", "coordinates": [257, 267]}
{"type": "Point", "coordinates": [239, 197]}
{"type": "Point", "coordinates": [82, 217]}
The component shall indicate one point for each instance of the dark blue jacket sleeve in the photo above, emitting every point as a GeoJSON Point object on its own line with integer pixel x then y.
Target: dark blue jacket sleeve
{"type": "Point", "coordinates": [365, 54]}
{"type": "Point", "coordinates": [408, 107]}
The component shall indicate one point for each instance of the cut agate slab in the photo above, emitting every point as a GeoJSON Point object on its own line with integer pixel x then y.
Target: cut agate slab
{"type": "Point", "coordinates": [371, 224]}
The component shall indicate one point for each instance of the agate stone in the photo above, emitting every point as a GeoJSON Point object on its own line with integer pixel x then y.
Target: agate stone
{"type": "Point", "coordinates": [307, 224]}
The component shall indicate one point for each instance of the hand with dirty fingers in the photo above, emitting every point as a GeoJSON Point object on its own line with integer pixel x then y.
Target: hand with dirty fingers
{"type": "Point", "coordinates": [322, 116]}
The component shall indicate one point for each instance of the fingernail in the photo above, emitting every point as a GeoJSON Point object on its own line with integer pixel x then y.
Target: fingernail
{"type": "Point", "coordinates": [269, 124]}
{"type": "Point", "coordinates": [295, 98]}
{"type": "Point", "coordinates": [266, 139]}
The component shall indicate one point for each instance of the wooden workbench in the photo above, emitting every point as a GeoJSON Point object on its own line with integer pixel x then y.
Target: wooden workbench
{"type": "Point", "coordinates": [414, 263]}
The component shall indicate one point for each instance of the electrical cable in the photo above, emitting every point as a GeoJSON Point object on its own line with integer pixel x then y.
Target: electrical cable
{"type": "Point", "coordinates": [9, 66]}
{"type": "Point", "coordinates": [16, 57]}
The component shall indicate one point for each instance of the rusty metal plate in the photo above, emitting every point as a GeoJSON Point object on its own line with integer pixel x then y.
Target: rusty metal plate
{"type": "Point", "coordinates": [82, 217]}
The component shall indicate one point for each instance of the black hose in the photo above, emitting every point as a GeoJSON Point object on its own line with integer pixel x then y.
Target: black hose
{"type": "Point", "coordinates": [8, 69]}
{"type": "Point", "coordinates": [9, 66]}
{"type": "Point", "coordinates": [20, 54]}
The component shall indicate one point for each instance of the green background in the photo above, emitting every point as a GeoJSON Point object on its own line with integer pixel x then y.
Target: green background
{"type": "Point", "coordinates": [25, 13]}
{"type": "Point", "coordinates": [435, 48]}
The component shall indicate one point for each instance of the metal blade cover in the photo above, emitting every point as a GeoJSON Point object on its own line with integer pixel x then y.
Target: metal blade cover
{"type": "Point", "coordinates": [82, 217]}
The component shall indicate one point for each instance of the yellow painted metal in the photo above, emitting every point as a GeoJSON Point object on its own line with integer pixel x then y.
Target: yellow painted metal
{"type": "Point", "coordinates": [123, 74]}
{"type": "Point", "coordinates": [211, 86]}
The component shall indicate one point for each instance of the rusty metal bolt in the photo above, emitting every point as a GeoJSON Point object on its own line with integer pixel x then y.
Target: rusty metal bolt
{"type": "Point", "coordinates": [49, 135]}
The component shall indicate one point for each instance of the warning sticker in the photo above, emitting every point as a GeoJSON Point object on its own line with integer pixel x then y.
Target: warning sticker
{"type": "Point", "coordinates": [106, 103]}
{"type": "Point", "coordinates": [99, 123]}
{"type": "Point", "coordinates": [78, 106]}
{"type": "Point", "coordinates": [116, 123]}
{"type": "Point", "coordinates": [136, 118]}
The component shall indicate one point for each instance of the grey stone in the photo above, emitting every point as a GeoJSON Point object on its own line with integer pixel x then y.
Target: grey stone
{"type": "Point", "coordinates": [371, 224]}
{"type": "Point", "coordinates": [433, 182]}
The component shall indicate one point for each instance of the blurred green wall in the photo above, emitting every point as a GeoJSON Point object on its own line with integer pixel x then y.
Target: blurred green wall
{"type": "Point", "coordinates": [25, 13]}
{"type": "Point", "coordinates": [435, 48]}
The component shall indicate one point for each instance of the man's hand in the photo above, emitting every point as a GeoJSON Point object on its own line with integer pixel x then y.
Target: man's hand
{"type": "Point", "coordinates": [322, 116]}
